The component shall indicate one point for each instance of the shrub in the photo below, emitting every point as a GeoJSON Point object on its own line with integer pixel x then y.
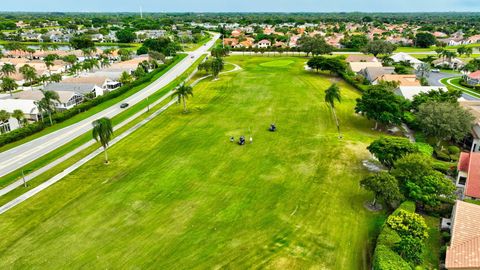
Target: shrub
{"type": "Point", "coordinates": [442, 155]}
{"type": "Point", "coordinates": [387, 259]}
{"type": "Point", "coordinates": [384, 256]}
{"type": "Point", "coordinates": [425, 148]}
{"type": "Point", "coordinates": [453, 150]}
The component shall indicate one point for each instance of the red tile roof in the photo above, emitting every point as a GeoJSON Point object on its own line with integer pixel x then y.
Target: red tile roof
{"type": "Point", "coordinates": [475, 75]}
{"type": "Point", "coordinates": [463, 162]}
{"type": "Point", "coordinates": [472, 188]}
{"type": "Point", "coordinates": [464, 249]}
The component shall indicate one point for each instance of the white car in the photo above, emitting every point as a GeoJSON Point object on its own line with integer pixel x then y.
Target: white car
{"type": "Point", "coordinates": [436, 70]}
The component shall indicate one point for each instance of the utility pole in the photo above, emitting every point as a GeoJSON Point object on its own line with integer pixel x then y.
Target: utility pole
{"type": "Point", "coordinates": [141, 13]}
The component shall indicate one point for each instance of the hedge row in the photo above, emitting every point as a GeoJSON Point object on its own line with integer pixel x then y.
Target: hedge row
{"type": "Point", "coordinates": [33, 128]}
{"type": "Point", "coordinates": [384, 258]}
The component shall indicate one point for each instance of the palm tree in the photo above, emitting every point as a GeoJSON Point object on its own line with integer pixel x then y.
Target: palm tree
{"type": "Point", "coordinates": [20, 116]}
{"type": "Point", "coordinates": [423, 70]}
{"type": "Point", "coordinates": [8, 84]}
{"type": "Point", "coordinates": [47, 103]}
{"type": "Point", "coordinates": [8, 69]}
{"type": "Point", "coordinates": [102, 132]}
{"type": "Point", "coordinates": [55, 78]}
{"type": "Point", "coordinates": [332, 94]}
{"type": "Point", "coordinates": [71, 59]}
{"type": "Point", "coordinates": [181, 93]}
{"type": "Point", "coordinates": [125, 78]}
{"type": "Point", "coordinates": [44, 79]}
{"type": "Point", "coordinates": [29, 73]}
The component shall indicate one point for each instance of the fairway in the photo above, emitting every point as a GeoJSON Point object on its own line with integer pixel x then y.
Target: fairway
{"type": "Point", "coordinates": [179, 195]}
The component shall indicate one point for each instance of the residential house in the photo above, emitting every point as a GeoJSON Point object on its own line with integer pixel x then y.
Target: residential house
{"type": "Point", "coordinates": [68, 99]}
{"type": "Point", "coordinates": [468, 178]}
{"type": "Point", "coordinates": [268, 30]}
{"type": "Point", "coordinates": [97, 37]}
{"type": "Point", "coordinates": [103, 82]}
{"type": "Point", "coordinates": [453, 63]}
{"type": "Point", "coordinates": [293, 42]}
{"type": "Point", "coordinates": [372, 73]}
{"type": "Point", "coordinates": [438, 34]}
{"type": "Point", "coordinates": [464, 250]}
{"type": "Point", "coordinates": [358, 66]}
{"type": "Point", "coordinates": [236, 33]}
{"type": "Point", "coordinates": [472, 78]}
{"type": "Point", "coordinates": [28, 107]}
{"type": "Point", "coordinates": [402, 80]}
{"type": "Point", "coordinates": [264, 43]}
{"type": "Point", "coordinates": [452, 41]}
{"type": "Point", "coordinates": [404, 57]}
{"type": "Point", "coordinates": [232, 42]}
{"type": "Point", "coordinates": [472, 40]}
{"type": "Point", "coordinates": [408, 92]}
{"type": "Point", "coordinates": [361, 58]}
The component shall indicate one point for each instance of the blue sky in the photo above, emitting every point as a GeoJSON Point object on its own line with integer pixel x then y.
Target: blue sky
{"type": "Point", "coordinates": [241, 5]}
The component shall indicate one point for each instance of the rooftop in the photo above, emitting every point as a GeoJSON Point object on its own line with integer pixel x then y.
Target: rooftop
{"type": "Point", "coordinates": [464, 249]}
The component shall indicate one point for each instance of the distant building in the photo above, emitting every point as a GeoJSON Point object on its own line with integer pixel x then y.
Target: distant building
{"type": "Point", "coordinates": [264, 43]}
{"type": "Point", "coordinates": [472, 78]}
{"type": "Point", "coordinates": [404, 57]}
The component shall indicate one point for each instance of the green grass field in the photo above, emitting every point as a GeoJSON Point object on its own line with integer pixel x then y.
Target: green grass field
{"type": "Point", "coordinates": [178, 195]}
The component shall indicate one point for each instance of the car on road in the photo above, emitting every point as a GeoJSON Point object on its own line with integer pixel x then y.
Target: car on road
{"type": "Point", "coordinates": [436, 70]}
{"type": "Point", "coordinates": [193, 56]}
{"type": "Point", "coordinates": [124, 105]}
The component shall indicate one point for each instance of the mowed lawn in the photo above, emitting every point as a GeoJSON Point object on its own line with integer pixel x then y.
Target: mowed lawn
{"type": "Point", "coordinates": [179, 195]}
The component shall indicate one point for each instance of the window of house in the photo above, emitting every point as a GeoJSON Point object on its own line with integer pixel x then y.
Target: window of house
{"type": "Point", "coordinates": [462, 181]}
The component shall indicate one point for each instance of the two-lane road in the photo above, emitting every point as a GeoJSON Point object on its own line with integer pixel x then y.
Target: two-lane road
{"type": "Point", "coordinates": [21, 155]}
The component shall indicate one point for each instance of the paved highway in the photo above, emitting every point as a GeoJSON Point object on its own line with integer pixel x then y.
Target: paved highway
{"type": "Point", "coordinates": [21, 155]}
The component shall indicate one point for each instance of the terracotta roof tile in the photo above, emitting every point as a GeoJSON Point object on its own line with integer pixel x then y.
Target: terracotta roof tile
{"type": "Point", "coordinates": [464, 249]}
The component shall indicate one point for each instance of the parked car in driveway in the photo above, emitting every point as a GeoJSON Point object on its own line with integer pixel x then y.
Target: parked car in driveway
{"type": "Point", "coordinates": [124, 105]}
{"type": "Point", "coordinates": [436, 70]}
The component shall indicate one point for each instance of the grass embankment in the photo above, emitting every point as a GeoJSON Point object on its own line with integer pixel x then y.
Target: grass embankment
{"type": "Point", "coordinates": [178, 192]}
{"type": "Point", "coordinates": [455, 84]}
{"type": "Point", "coordinates": [34, 165]}
{"type": "Point", "coordinates": [92, 111]}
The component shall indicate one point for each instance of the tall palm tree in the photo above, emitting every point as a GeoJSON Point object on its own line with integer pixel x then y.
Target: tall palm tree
{"type": "Point", "coordinates": [102, 132]}
{"type": "Point", "coordinates": [8, 69]}
{"type": "Point", "coordinates": [332, 94]}
{"type": "Point", "coordinates": [8, 84]}
{"type": "Point", "coordinates": [20, 116]}
{"type": "Point", "coordinates": [423, 70]}
{"type": "Point", "coordinates": [29, 73]}
{"type": "Point", "coordinates": [182, 93]}
{"type": "Point", "coordinates": [47, 103]}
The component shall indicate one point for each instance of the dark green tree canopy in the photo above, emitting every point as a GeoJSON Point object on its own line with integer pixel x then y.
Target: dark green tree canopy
{"type": "Point", "coordinates": [126, 36]}
{"type": "Point", "coordinates": [82, 42]}
{"type": "Point", "coordinates": [389, 149]}
{"type": "Point", "coordinates": [381, 105]}
{"type": "Point", "coordinates": [384, 186]}
{"type": "Point", "coordinates": [444, 120]}
{"type": "Point", "coordinates": [315, 45]}
{"type": "Point", "coordinates": [439, 95]}
{"type": "Point", "coordinates": [425, 40]}
{"type": "Point", "coordinates": [377, 47]}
